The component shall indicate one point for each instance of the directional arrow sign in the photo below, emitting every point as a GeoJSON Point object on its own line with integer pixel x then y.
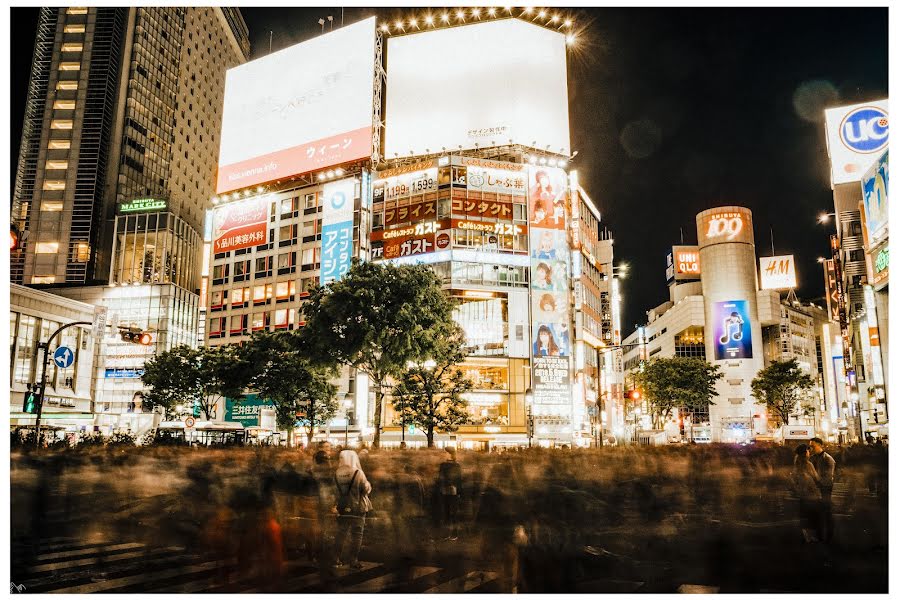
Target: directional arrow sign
{"type": "Point", "coordinates": [63, 357]}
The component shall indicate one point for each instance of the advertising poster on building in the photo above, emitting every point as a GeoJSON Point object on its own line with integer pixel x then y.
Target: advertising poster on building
{"type": "Point", "coordinates": [875, 200]}
{"type": "Point", "coordinates": [303, 108]}
{"type": "Point", "coordinates": [550, 335]}
{"type": "Point", "coordinates": [337, 229]}
{"type": "Point", "coordinates": [732, 330]}
{"type": "Point", "coordinates": [856, 135]}
{"type": "Point", "coordinates": [777, 272]}
{"type": "Point", "coordinates": [241, 224]}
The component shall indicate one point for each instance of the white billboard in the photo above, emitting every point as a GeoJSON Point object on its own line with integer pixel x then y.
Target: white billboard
{"type": "Point", "coordinates": [303, 108]}
{"type": "Point", "coordinates": [777, 272]}
{"type": "Point", "coordinates": [482, 84]}
{"type": "Point", "coordinates": [856, 135]}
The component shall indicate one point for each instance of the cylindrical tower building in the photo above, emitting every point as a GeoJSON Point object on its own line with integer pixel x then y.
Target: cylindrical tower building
{"type": "Point", "coordinates": [733, 336]}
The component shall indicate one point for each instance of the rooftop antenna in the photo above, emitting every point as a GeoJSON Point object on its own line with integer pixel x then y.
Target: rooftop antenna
{"type": "Point", "coordinates": [331, 21]}
{"type": "Point", "coordinates": [270, 42]}
{"type": "Point", "coordinates": [342, 16]}
{"type": "Point", "coordinates": [772, 237]}
{"type": "Point", "coordinates": [681, 230]}
{"type": "Point", "coordinates": [322, 23]}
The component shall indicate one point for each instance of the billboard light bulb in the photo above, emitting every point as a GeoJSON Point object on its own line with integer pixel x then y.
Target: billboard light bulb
{"type": "Point", "coordinates": [445, 18]}
{"type": "Point", "coordinates": [413, 23]}
{"type": "Point", "coordinates": [476, 12]}
{"type": "Point", "coordinates": [385, 28]}
{"type": "Point", "coordinates": [568, 23]}
{"type": "Point", "coordinates": [399, 24]}
{"type": "Point", "coordinates": [542, 14]}
{"type": "Point", "coordinates": [330, 174]}
{"type": "Point", "coordinates": [339, 171]}
{"type": "Point", "coordinates": [555, 18]}
{"type": "Point", "coordinates": [321, 176]}
{"type": "Point", "coordinates": [460, 14]}
{"type": "Point", "coordinates": [492, 11]}
{"type": "Point", "coordinates": [429, 19]}
{"type": "Point", "coordinates": [570, 39]}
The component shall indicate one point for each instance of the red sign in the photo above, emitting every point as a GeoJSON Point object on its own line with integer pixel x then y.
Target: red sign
{"type": "Point", "coordinates": [240, 225]}
{"type": "Point", "coordinates": [296, 160]}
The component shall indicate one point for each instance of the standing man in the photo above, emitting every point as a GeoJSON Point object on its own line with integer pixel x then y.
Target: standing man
{"type": "Point", "coordinates": [824, 464]}
{"type": "Point", "coordinates": [450, 484]}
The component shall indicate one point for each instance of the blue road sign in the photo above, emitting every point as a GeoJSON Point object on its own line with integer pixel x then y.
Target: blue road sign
{"type": "Point", "coordinates": [63, 357]}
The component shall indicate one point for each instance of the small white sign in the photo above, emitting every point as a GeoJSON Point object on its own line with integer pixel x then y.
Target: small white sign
{"type": "Point", "coordinates": [99, 329]}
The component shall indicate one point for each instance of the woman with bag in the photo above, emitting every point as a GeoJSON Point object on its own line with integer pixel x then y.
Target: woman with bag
{"type": "Point", "coordinates": [353, 503]}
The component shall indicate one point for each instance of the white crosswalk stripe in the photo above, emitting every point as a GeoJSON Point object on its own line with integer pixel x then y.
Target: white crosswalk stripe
{"type": "Point", "coordinates": [72, 566]}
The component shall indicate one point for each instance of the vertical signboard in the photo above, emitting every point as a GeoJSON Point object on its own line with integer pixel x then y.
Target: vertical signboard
{"type": "Point", "coordinates": [241, 224]}
{"type": "Point", "coordinates": [875, 200]}
{"type": "Point", "coordinates": [732, 330]}
{"type": "Point", "coordinates": [550, 339]}
{"type": "Point", "coordinates": [337, 229]}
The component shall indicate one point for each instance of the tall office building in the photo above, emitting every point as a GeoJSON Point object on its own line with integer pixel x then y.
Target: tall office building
{"type": "Point", "coordinates": [116, 170]}
{"type": "Point", "coordinates": [120, 143]}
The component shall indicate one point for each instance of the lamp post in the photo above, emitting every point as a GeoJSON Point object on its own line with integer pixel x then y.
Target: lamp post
{"type": "Point", "coordinates": [348, 404]}
{"type": "Point", "coordinates": [529, 416]}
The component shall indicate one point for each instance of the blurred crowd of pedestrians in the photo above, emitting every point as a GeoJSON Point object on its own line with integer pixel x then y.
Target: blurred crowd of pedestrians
{"type": "Point", "coordinates": [540, 518]}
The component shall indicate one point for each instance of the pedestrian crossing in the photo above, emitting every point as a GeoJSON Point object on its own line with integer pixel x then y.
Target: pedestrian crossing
{"type": "Point", "coordinates": [72, 566]}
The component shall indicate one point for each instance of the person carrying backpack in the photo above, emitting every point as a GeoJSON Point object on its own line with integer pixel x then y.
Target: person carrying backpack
{"type": "Point", "coordinates": [352, 496]}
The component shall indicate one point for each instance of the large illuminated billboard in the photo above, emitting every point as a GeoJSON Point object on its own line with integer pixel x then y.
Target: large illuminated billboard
{"type": "Point", "coordinates": [856, 136]}
{"type": "Point", "coordinates": [731, 328]}
{"type": "Point", "coordinates": [477, 86]}
{"type": "Point", "coordinates": [777, 272]}
{"type": "Point", "coordinates": [875, 200]}
{"type": "Point", "coordinates": [337, 229]}
{"type": "Point", "coordinates": [303, 108]}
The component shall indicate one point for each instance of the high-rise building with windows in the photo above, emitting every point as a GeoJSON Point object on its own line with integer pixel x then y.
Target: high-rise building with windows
{"type": "Point", "coordinates": [120, 141]}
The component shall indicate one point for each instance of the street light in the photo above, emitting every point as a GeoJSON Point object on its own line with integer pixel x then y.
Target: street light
{"type": "Point", "coordinates": [529, 417]}
{"type": "Point", "coordinates": [348, 404]}
{"type": "Point", "coordinates": [823, 217]}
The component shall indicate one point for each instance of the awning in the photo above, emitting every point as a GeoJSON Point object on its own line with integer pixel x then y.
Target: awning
{"type": "Point", "coordinates": [51, 415]}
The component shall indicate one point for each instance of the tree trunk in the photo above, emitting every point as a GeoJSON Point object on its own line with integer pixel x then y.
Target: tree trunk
{"type": "Point", "coordinates": [290, 436]}
{"type": "Point", "coordinates": [379, 397]}
{"type": "Point", "coordinates": [310, 432]}
{"type": "Point", "coordinates": [430, 435]}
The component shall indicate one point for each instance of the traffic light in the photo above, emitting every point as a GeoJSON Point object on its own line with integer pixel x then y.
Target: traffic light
{"type": "Point", "coordinates": [134, 335]}
{"type": "Point", "coordinates": [29, 405]}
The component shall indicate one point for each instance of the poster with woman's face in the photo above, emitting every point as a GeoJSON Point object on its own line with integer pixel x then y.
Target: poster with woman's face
{"type": "Point", "coordinates": [549, 275]}
{"type": "Point", "coordinates": [550, 339]}
{"type": "Point", "coordinates": [548, 244]}
{"type": "Point", "coordinates": [549, 306]}
{"type": "Point", "coordinates": [546, 197]}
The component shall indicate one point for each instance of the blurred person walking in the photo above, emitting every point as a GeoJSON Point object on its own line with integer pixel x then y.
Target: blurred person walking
{"type": "Point", "coordinates": [806, 487]}
{"type": "Point", "coordinates": [353, 504]}
{"type": "Point", "coordinates": [824, 465]}
{"type": "Point", "coordinates": [450, 488]}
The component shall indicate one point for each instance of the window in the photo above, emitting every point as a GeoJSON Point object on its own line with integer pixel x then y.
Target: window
{"type": "Point", "coordinates": [41, 279]}
{"type": "Point", "coordinates": [61, 124]}
{"type": "Point", "coordinates": [281, 318]}
{"type": "Point", "coordinates": [241, 267]}
{"type": "Point", "coordinates": [238, 323]}
{"type": "Point", "coordinates": [260, 321]}
{"type": "Point", "coordinates": [220, 271]}
{"type": "Point", "coordinates": [309, 201]}
{"type": "Point", "coordinates": [215, 325]}
{"type": "Point", "coordinates": [25, 349]}
{"type": "Point", "coordinates": [82, 252]}
{"type": "Point", "coordinates": [261, 293]}
{"type": "Point", "coordinates": [72, 47]}
{"type": "Point", "coordinates": [309, 229]}
{"type": "Point", "coordinates": [54, 184]}
{"type": "Point", "coordinates": [857, 255]}
{"type": "Point", "coordinates": [64, 104]}
{"type": "Point", "coordinates": [308, 257]}
{"type": "Point", "coordinates": [59, 144]}
{"type": "Point", "coordinates": [47, 248]}
{"type": "Point", "coordinates": [67, 85]}
{"type": "Point", "coordinates": [286, 260]}
{"type": "Point", "coordinates": [285, 289]}
{"type": "Point", "coordinates": [238, 297]}
{"type": "Point", "coordinates": [73, 28]}
{"type": "Point", "coordinates": [52, 205]}
{"type": "Point", "coordinates": [262, 264]}
{"type": "Point", "coordinates": [69, 66]}
{"type": "Point", "coordinates": [57, 164]}
{"type": "Point", "coordinates": [77, 10]}
{"type": "Point", "coordinates": [216, 299]}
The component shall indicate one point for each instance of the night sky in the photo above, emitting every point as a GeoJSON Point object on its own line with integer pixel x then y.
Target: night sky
{"type": "Point", "coordinates": [672, 111]}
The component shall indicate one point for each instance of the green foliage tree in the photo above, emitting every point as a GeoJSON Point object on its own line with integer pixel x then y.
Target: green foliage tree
{"type": "Point", "coordinates": [677, 382]}
{"type": "Point", "coordinates": [185, 375]}
{"type": "Point", "coordinates": [377, 318]}
{"type": "Point", "coordinates": [781, 386]}
{"type": "Point", "coordinates": [276, 365]}
{"type": "Point", "coordinates": [429, 395]}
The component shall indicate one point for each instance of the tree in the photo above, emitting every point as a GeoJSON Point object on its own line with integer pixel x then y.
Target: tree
{"type": "Point", "coordinates": [677, 382]}
{"type": "Point", "coordinates": [185, 375]}
{"type": "Point", "coordinates": [780, 387]}
{"type": "Point", "coordinates": [276, 366]}
{"type": "Point", "coordinates": [431, 396]}
{"type": "Point", "coordinates": [377, 318]}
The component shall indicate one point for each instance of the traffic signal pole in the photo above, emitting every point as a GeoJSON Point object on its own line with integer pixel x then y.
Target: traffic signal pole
{"type": "Point", "coordinates": [45, 346]}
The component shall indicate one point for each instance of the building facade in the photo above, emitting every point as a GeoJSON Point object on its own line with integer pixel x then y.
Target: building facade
{"type": "Point", "coordinates": [33, 317]}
